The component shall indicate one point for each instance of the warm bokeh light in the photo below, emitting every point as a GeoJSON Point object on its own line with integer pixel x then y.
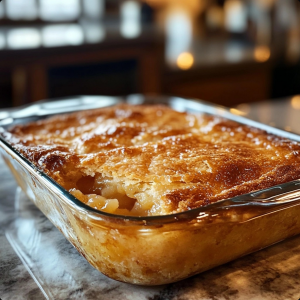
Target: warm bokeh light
{"type": "Point", "coordinates": [287, 128]}
{"type": "Point", "coordinates": [237, 112]}
{"type": "Point", "coordinates": [185, 60]}
{"type": "Point", "coordinates": [295, 102]}
{"type": "Point", "coordinates": [262, 53]}
{"type": "Point", "coordinates": [244, 108]}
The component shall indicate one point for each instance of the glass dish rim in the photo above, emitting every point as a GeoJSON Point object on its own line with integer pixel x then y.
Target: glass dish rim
{"type": "Point", "coordinates": [210, 108]}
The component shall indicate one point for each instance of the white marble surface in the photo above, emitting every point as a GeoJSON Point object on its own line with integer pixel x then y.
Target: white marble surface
{"type": "Point", "coordinates": [37, 262]}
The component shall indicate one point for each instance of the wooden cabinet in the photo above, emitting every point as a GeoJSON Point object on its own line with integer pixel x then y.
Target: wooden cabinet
{"type": "Point", "coordinates": [227, 85]}
{"type": "Point", "coordinates": [116, 66]}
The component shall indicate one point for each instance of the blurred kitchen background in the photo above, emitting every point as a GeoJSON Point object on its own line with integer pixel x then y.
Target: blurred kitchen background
{"type": "Point", "coordinates": [224, 51]}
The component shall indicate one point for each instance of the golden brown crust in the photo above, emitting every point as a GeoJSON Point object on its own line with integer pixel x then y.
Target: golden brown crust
{"type": "Point", "coordinates": [181, 160]}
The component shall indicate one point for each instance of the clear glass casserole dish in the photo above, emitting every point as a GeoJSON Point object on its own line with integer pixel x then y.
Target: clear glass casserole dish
{"type": "Point", "coordinates": [156, 249]}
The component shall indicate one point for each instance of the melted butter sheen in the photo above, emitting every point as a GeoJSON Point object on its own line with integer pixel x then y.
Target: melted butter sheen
{"type": "Point", "coordinates": [155, 160]}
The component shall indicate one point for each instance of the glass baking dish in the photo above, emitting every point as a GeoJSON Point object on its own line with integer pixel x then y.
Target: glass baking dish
{"type": "Point", "coordinates": [157, 249]}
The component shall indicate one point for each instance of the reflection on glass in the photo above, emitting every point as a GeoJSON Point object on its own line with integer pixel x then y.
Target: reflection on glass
{"type": "Point", "coordinates": [20, 9]}
{"type": "Point", "coordinates": [51, 260]}
{"type": "Point", "coordinates": [23, 38]}
{"type": "Point", "coordinates": [185, 60]}
{"type": "Point", "coordinates": [235, 16]}
{"type": "Point", "coordinates": [130, 19]}
{"type": "Point", "coordinates": [262, 53]}
{"type": "Point", "coordinates": [178, 34]}
{"type": "Point", "coordinates": [93, 8]}
{"type": "Point", "coordinates": [62, 35]}
{"type": "Point", "coordinates": [29, 235]}
{"type": "Point", "coordinates": [57, 10]}
{"type": "Point", "coordinates": [94, 32]}
{"type": "Point", "coordinates": [295, 102]}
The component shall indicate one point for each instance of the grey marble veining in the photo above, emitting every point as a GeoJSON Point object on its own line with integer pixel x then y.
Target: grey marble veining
{"type": "Point", "coordinates": [37, 262]}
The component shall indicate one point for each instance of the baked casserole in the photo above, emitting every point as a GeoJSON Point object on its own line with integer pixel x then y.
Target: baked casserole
{"type": "Point", "coordinates": [150, 160]}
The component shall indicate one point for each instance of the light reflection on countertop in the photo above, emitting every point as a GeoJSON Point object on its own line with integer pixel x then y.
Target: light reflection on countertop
{"type": "Point", "coordinates": [281, 113]}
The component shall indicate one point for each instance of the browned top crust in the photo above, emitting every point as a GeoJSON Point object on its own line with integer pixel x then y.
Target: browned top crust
{"type": "Point", "coordinates": [183, 160]}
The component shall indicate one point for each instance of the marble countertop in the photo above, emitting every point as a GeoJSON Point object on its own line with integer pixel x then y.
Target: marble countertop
{"type": "Point", "coordinates": [37, 262]}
